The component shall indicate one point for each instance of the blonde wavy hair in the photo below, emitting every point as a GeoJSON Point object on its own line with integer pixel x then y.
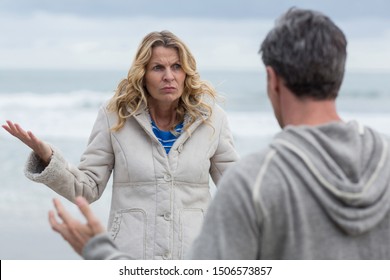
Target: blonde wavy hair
{"type": "Point", "coordinates": [131, 93]}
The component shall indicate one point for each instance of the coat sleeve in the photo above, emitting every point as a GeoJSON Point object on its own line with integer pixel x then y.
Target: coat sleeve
{"type": "Point", "coordinates": [90, 178]}
{"type": "Point", "coordinates": [226, 154]}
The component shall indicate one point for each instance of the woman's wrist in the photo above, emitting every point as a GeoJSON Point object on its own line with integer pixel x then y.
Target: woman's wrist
{"type": "Point", "coordinates": [47, 157]}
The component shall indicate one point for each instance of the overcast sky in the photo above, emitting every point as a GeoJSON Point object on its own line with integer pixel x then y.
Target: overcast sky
{"type": "Point", "coordinates": [222, 34]}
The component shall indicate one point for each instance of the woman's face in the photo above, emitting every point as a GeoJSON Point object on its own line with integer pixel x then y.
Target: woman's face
{"type": "Point", "coordinates": [164, 77]}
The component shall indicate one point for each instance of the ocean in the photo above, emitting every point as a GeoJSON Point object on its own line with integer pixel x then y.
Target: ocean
{"type": "Point", "coordinates": [60, 107]}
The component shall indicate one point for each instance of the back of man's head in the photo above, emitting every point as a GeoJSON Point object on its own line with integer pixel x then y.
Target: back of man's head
{"type": "Point", "coordinates": [308, 51]}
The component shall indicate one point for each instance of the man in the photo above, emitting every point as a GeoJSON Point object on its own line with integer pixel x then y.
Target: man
{"type": "Point", "coordinates": [321, 189]}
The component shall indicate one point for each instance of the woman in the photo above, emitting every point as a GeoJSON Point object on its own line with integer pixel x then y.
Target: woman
{"type": "Point", "coordinates": [162, 136]}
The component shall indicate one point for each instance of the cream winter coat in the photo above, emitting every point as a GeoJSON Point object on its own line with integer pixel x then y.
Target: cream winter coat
{"type": "Point", "coordinates": [158, 200]}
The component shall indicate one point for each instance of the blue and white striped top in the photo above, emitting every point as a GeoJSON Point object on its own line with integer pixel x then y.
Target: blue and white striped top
{"type": "Point", "coordinates": [166, 138]}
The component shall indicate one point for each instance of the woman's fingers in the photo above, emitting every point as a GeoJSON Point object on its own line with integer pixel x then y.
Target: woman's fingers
{"type": "Point", "coordinates": [20, 130]}
{"type": "Point", "coordinates": [17, 131]}
{"type": "Point", "coordinates": [10, 127]}
{"type": "Point", "coordinates": [42, 149]}
{"type": "Point", "coordinates": [6, 127]}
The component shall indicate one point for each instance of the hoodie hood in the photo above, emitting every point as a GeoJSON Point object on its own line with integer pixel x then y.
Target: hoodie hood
{"type": "Point", "coordinates": [351, 165]}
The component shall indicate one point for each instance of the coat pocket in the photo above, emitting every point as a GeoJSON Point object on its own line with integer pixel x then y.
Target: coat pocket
{"type": "Point", "coordinates": [128, 230]}
{"type": "Point", "coordinates": [191, 220]}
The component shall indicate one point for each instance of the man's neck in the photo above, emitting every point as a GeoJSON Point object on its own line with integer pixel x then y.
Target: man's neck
{"type": "Point", "coordinates": [309, 112]}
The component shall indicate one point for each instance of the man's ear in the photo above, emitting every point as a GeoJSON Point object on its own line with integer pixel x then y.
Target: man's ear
{"type": "Point", "coordinates": [272, 80]}
{"type": "Point", "coordinates": [274, 90]}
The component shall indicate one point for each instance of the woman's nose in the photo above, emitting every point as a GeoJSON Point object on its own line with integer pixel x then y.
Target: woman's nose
{"type": "Point", "coordinates": [168, 75]}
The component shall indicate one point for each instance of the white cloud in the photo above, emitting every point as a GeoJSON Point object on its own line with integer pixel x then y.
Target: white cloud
{"type": "Point", "coordinates": [369, 55]}
{"type": "Point", "coordinates": [61, 41]}
{"type": "Point", "coordinates": [368, 44]}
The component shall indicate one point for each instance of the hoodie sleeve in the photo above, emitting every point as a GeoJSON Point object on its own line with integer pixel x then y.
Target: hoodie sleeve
{"type": "Point", "coordinates": [90, 178]}
{"type": "Point", "coordinates": [101, 247]}
{"type": "Point", "coordinates": [230, 229]}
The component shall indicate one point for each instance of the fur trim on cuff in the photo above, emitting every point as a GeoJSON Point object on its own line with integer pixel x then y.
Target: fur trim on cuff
{"type": "Point", "coordinates": [37, 171]}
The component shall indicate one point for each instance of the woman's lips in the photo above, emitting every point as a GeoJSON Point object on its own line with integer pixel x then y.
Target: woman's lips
{"type": "Point", "coordinates": [168, 89]}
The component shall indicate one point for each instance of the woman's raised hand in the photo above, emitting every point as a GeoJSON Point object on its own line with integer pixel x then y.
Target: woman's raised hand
{"type": "Point", "coordinates": [42, 149]}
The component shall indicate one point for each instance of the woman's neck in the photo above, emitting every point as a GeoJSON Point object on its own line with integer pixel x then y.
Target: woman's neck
{"type": "Point", "coordinates": [163, 116]}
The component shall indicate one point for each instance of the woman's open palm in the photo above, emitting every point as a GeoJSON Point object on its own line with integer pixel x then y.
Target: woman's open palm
{"type": "Point", "coordinates": [42, 149]}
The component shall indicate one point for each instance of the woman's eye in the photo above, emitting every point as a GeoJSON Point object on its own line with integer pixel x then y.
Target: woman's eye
{"type": "Point", "coordinates": [157, 67]}
{"type": "Point", "coordinates": [176, 66]}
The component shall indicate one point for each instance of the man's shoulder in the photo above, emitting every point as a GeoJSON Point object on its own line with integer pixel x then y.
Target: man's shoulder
{"type": "Point", "coordinates": [247, 169]}
{"type": "Point", "coordinates": [253, 160]}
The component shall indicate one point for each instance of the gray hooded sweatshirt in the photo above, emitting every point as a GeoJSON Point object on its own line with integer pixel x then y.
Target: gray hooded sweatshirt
{"type": "Point", "coordinates": [317, 192]}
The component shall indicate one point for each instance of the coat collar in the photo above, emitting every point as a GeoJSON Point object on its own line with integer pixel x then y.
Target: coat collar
{"type": "Point", "coordinates": [143, 118]}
